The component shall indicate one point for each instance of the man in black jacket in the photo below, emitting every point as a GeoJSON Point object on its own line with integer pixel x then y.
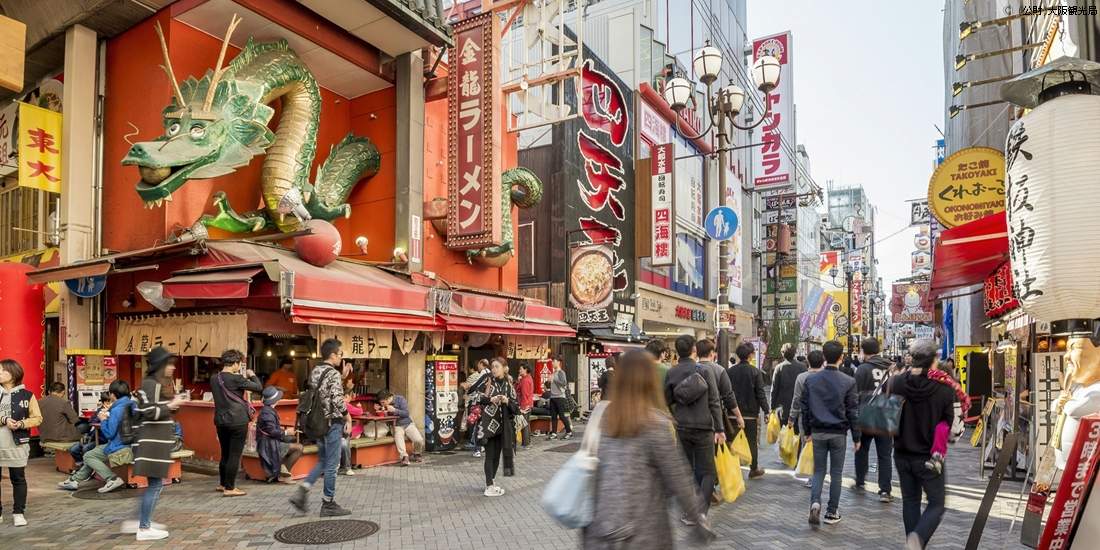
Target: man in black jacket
{"type": "Point", "coordinates": [830, 409]}
{"type": "Point", "coordinates": [698, 415]}
{"type": "Point", "coordinates": [870, 374]}
{"type": "Point", "coordinates": [783, 382]}
{"type": "Point", "coordinates": [927, 403]}
{"type": "Point", "coordinates": [748, 386]}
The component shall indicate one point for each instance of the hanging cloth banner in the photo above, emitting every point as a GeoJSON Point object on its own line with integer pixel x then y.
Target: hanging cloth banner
{"type": "Point", "coordinates": [39, 148]}
{"type": "Point", "coordinates": [188, 334]}
{"type": "Point", "coordinates": [361, 343]}
{"type": "Point", "coordinates": [525, 347]}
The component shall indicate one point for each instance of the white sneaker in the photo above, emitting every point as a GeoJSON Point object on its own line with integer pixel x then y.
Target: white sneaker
{"type": "Point", "coordinates": [69, 484]}
{"type": "Point", "coordinates": [151, 534]}
{"type": "Point", "coordinates": [20, 521]}
{"type": "Point", "coordinates": [494, 491]}
{"type": "Point", "coordinates": [349, 472]}
{"type": "Point", "coordinates": [130, 526]}
{"type": "Point", "coordinates": [477, 454]}
{"type": "Point", "coordinates": [112, 484]}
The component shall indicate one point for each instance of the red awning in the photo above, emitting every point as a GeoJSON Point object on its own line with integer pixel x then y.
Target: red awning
{"type": "Point", "coordinates": [477, 313]}
{"type": "Point", "coordinates": [967, 254]}
{"type": "Point", "coordinates": [103, 265]}
{"type": "Point", "coordinates": [211, 283]}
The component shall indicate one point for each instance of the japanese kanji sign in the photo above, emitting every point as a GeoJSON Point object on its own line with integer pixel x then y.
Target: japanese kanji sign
{"type": "Point", "coordinates": [189, 334]}
{"type": "Point", "coordinates": [474, 147]}
{"type": "Point", "coordinates": [773, 161]}
{"type": "Point", "coordinates": [664, 222]}
{"type": "Point", "coordinates": [39, 148]}
{"type": "Point", "coordinates": [366, 343]}
{"type": "Point", "coordinates": [968, 186]}
{"type": "Point", "coordinates": [525, 347]}
{"type": "Point", "coordinates": [1077, 479]}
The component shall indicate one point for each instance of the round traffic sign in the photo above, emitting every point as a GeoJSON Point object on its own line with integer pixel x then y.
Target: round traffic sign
{"type": "Point", "coordinates": [721, 223]}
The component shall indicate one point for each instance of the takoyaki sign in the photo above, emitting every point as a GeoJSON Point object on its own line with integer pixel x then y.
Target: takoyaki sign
{"type": "Point", "coordinates": [911, 303]}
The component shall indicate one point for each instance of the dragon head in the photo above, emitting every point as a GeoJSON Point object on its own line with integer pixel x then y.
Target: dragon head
{"type": "Point", "coordinates": [211, 127]}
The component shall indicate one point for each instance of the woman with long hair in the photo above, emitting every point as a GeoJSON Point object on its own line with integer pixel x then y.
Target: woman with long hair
{"type": "Point", "coordinates": [640, 466]}
{"type": "Point", "coordinates": [496, 430]}
{"type": "Point", "coordinates": [155, 404]}
{"type": "Point", "coordinates": [18, 414]}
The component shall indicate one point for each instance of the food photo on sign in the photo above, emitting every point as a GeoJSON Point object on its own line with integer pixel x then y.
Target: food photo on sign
{"type": "Point", "coordinates": [591, 277]}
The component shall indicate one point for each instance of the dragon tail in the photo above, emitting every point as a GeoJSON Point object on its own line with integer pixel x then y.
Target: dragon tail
{"type": "Point", "coordinates": [522, 188]}
{"type": "Point", "coordinates": [348, 161]}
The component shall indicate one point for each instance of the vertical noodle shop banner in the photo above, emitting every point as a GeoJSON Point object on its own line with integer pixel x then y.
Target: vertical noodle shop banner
{"type": "Point", "coordinates": [474, 144]}
{"type": "Point", "coordinates": [188, 334]}
{"type": "Point", "coordinates": [39, 148]}
{"type": "Point", "coordinates": [773, 163]}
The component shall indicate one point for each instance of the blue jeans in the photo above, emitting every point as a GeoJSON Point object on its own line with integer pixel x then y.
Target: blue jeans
{"type": "Point", "coordinates": [914, 477]}
{"type": "Point", "coordinates": [345, 452]}
{"type": "Point", "coordinates": [149, 501]}
{"type": "Point", "coordinates": [328, 458]}
{"type": "Point", "coordinates": [828, 452]}
{"type": "Point", "coordinates": [78, 449]}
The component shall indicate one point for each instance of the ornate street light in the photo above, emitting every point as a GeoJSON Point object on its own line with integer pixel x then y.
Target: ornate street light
{"type": "Point", "coordinates": [724, 106]}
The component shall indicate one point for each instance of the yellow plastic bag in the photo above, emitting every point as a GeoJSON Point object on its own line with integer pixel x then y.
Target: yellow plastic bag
{"type": "Point", "coordinates": [740, 447]}
{"type": "Point", "coordinates": [806, 461]}
{"type": "Point", "coordinates": [788, 446]}
{"type": "Point", "coordinates": [729, 474]}
{"type": "Point", "coordinates": [773, 428]}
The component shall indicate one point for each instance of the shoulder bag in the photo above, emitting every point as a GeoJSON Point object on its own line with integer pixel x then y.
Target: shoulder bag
{"type": "Point", "coordinates": [237, 398]}
{"type": "Point", "coordinates": [880, 412]}
{"type": "Point", "coordinates": [570, 496]}
{"type": "Point", "coordinates": [690, 389]}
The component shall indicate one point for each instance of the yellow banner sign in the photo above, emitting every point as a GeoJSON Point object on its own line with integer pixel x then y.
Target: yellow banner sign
{"type": "Point", "coordinates": [39, 148]}
{"type": "Point", "coordinates": [368, 343]}
{"type": "Point", "coordinates": [189, 334]}
{"type": "Point", "coordinates": [836, 324]}
{"type": "Point", "coordinates": [969, 185]}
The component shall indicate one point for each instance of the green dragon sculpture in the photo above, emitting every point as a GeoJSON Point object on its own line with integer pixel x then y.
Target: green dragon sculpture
{"type": "Point", "coordinates": [217, 124]}
{"type": "Point", "coordinates": [522, 188]}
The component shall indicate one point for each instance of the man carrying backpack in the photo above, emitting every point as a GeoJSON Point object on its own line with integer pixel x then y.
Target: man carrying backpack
{"type": "Point", "coordinates": [323, 416]}
{"type": "Point", "coordinates": [692, 393]}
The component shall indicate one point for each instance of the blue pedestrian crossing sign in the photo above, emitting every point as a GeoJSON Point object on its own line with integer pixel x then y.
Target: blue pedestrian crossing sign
{"type": "Point", "coordinates": [721, 223]}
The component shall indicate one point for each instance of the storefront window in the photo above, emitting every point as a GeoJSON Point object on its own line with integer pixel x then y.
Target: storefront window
{"type": "Point", "coordinates": [690, 258]}
{"type": "Point", "coordinates": [25, 221]}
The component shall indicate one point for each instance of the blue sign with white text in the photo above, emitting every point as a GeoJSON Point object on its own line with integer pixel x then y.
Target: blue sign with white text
{"type": "Point", "coordinates": [721, 223]}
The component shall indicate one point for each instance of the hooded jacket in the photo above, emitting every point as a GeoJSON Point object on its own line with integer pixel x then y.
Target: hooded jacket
{"type": "Point", "coordinates": [870, 373]}
{"type": "Point", "coordinates": [927, 403]}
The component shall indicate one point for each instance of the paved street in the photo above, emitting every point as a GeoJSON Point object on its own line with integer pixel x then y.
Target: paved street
{"type": "Point", "coordinates": [439, 505]}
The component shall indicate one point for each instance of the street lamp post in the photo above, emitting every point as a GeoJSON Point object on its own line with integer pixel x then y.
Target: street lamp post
{"type": "Point", "coordinates": [723, 108]}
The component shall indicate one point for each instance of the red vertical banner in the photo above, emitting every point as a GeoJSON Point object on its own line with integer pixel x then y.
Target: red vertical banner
{"type": "Point", "coordinates": [1077, 478]}
{"type": "Point", "coordinates": [474, 144]}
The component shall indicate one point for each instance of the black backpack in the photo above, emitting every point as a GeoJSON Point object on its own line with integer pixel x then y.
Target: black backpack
{"type": "Point", "coordinates": [311, 411]}
{"type": "Point", "coordinates": [126, 426]}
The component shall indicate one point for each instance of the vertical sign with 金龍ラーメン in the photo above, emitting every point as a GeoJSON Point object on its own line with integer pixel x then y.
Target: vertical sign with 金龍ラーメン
{"type": "Point", "coordinates": [773, 162]}
{"type": "Point", "coordinates": [39, 148]}
{"type": "Point", "coordinates": [664, 223]}
{"type": "Point", "coordinates": [474, 148]}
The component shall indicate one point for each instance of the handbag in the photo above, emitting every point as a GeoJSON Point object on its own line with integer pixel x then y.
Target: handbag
{"type": "Point", "coordinates": [570, 403]}
{"type": "Point", "coordinates": [237, 398]}
{"type": "Point", "coordinates": [879, 412]}
{"type": "Point", "coordinates": [473, 416]}
{"type": "Point", "coordinates": [690, 389]}
{"type": "Point", "coordinates": [570, 496]}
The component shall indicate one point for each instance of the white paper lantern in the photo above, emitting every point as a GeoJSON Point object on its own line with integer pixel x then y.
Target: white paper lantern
{"type": "Point", "coordinates": [922, 260]}
{"type": "Point", "coordinates": [923, 242]}
{"type": "Point", "coordinates": [1053, 203]}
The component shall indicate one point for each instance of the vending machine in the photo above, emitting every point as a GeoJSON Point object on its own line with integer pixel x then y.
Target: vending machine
{"type": "Point", "coordinates": [440, 402]}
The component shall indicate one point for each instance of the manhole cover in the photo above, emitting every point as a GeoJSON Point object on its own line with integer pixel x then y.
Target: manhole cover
{"type": "Point", "coordinates": [326, 532]}
{"type": "Point", "coordinates": [567, 448]}
{"type": "Point", "coordinates": [121, 493]}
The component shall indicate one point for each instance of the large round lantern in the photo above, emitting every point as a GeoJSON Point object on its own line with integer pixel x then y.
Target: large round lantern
{"type": "Point", "coordinates": [21, 335]}
{"type": "Point", "coordinates": [320, 248]}
{"type": "Point", "coordinates": [1052, 198]}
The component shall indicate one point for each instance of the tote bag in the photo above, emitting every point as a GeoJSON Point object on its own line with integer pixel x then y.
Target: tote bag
{"type": "Point", "coordinates": [880, 412]}
{"type": "Point", "coordinates": [570, 496]}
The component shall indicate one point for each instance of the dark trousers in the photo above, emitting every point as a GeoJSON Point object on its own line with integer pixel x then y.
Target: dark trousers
{"type": "Point", "coordinates": [18, 488]}
{"type": "Point", "coordinates": [698, 445]}
{"type": "Point", "coordinates": [557, 410]}
{"type": "Point", "coordinates": [494, 447]}
{"type": "Point", "coordinates": [752, 433]}
{"type": "Point", "coordinates": [914, 478]}
{"type": "Point", "coordinates": [232, 439]}
{"type": "Point", "coordinates": [884, 444]}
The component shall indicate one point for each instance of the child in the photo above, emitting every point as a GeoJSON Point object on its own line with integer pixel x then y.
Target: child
{"type": "Point", "coordinates": [943, 429]}
{"type": "Point", "coordinates": [277, 447]}
{"type": "Point", "coordinates": [356, 431]}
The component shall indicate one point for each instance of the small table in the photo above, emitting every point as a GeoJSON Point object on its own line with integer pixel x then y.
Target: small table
{"type": "Point", "coordinates": [389, 419]}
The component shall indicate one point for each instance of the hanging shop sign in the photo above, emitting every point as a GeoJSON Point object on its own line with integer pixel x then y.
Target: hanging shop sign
{"type": "Point", "coordinates": [474, 147]}
{"type": "Point", "coordinates": [773, 162]}
{"type": "Point", "coordinates": [658, 307]}
{"type": "Point", "coordinates": [596, 160]}
{"type": "Point", "coordinates": [921, 260]}
{"type": "Point", "coordinates": [1049, 193]}
{"type": "Point", "coordinates": [924, 332]}
{"type": "Point", "coordinates": [918, 213]}
{"type": "Point", "coordinates": [998, 292]}
{"type": "Point", "coordinates": [818, 330]}
{"type": "Point", "coordinates": [910, 303]}
{"type": "Point", "coordinates": [785, 285]}
{"type": "Point", "coordinates": [786, 299]}
{"type": "Point", "coordinates": [367, 343]}
{"type": "Point", "coordinates": [187, 334]}
{"type": "Point", "coordinates": [968, 186]}
{"type": "Point", "coordinates": [623, 323]}
{"type": "Point", "coordinates": [663, 250]}
{"type": "Point", "coordinates": [521, 346]}
{"type": "Point", "coordinates": [857, 310]}
{"type": "Point", "coordinates": [39, 148]}
{"type": "Point", "coordinates": [923, 242]}
{"type": "Point", "coordinates": [651, 125]}
{"type": "Point", "coordinates": [836, 324]}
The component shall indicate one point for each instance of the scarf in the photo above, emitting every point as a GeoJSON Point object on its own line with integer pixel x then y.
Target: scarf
{"type": "Point", "coordinates": [944, 378]}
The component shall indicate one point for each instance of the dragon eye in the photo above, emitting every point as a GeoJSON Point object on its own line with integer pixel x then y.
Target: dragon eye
{"type": "Point", "coordinates": [174, 129]}
{"type": "Point", "coordinates": [197, 131]}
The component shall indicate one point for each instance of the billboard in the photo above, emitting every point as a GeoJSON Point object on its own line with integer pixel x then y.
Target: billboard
{"type": "Point", "coordinates": [773, 166]}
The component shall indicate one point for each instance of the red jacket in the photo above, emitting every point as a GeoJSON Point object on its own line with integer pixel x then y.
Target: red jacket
{"type": "Point", "coordinates": [525, 389]}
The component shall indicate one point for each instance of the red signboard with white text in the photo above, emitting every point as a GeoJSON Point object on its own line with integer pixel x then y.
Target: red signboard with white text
{"type": "Point", "coordinates": [773, 161]}
{"type": "Point", "coordinates": [998, 292]}
{"type": "Point", "coordinates": [1077, 479]}
{"type": "Point", "coordinates": [664, 222]}
{"type": "Point", "coordinates": [474, 147]}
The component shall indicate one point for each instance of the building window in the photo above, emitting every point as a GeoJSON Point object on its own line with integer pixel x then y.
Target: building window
{"type": "Point", "coordinates": [25, 218]}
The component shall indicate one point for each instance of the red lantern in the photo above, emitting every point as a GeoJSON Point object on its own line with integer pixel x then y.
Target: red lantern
{"type": "Point", "coordinates": [21, 327]}
{"type": "Point", "coordinates": [320, 248]}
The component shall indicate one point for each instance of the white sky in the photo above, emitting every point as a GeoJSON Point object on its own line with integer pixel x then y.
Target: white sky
{"type": "Point", "coordinates": [868, 86]}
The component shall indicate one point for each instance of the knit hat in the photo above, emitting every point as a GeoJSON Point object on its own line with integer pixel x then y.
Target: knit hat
{"type": "Point", "coordinates": [156, 359]}
{"type": "Point", "coordinates": [272, 395]}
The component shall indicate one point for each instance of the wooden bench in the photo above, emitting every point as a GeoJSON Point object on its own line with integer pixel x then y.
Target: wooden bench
{"type": "Point", "coordinates": [175, 471]}
{"type": "Point", "coordinates": [368, 451]}
{"type": "Point", "coordinates": [250, 462]}
{"type": "Point", "coordinates": [542, 424]}
{"type": "Point", "coordinates": [62, 459]}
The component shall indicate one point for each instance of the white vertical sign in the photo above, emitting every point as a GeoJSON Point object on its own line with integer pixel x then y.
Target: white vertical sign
{"type": "Point", "coordinates": [772, 162]}
{"type": "Point", "coordinates": [663, 250]}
